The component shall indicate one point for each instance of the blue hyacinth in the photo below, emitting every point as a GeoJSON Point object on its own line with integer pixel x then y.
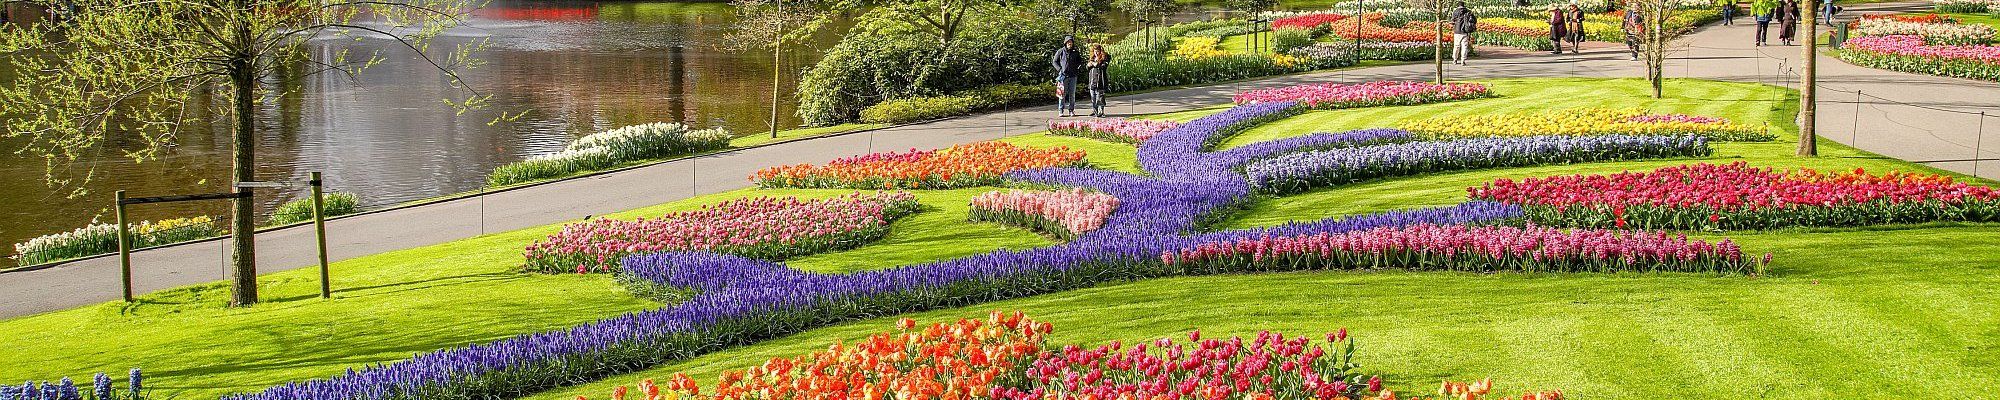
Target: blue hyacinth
{"type": "Point", "coordinates": [135, 378]}
{"type": "Point", "coordinates": [739, 298]}
{"type": "Point", "coordinates": [100, 387]}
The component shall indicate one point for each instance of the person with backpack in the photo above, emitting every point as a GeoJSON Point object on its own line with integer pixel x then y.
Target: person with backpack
{"type": "Point", "coordinates": [1763, 11]}
{"type": "Point", "coordinates": [1464, 24]}
{"type": "Point", "coordinates": [1068, 63]}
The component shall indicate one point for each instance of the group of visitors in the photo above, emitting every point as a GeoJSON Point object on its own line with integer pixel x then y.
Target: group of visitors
{"type": "Point", "coordinates": [1784, 12]}
{"type": "Point", "coordinates": [1072, 65]}
{"type": "Point", "coordinates": [1565, 25]}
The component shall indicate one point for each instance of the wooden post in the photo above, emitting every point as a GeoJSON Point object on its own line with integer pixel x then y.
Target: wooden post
{"type": "Point", "coordinates": [124, 245]}
{"type": "Point", "coordinates": [319, 233]}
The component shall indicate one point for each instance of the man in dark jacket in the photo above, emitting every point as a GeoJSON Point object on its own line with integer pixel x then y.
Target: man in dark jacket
{"type": "Point", "coordinates": [1068, 63]}
{"type": "Point", "coordinates": [1463, 25]}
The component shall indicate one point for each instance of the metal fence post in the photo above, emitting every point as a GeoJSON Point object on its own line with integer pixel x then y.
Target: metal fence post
{"type": "Point", "coordinates": [319, 234]}
{"type": "Point", "coordinates": [1978, 144]}
{"type": "Point", "coordinates": [124, 246]}
{"type": "Point", "coordinates": [1854, 137]}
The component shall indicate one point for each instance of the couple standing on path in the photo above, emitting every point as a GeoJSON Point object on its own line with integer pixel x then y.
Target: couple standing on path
{"type": "Point", "coordinates": [1784, 12]}
{"type": "Point", "coordinates": [1071, 64]}
{"type": "Point", "coordinates": [1564, 25]}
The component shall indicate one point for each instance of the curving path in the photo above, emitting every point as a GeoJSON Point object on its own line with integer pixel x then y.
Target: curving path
{"type": "Point", "coordinates": [1913, 117]}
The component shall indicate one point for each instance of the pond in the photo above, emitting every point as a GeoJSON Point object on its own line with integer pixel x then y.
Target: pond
{"type": "Point", "coordinates": [569, 67]}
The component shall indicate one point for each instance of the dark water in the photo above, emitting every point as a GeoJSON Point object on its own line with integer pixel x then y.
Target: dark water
{"type": "Point", "coordinates": [573, 67]}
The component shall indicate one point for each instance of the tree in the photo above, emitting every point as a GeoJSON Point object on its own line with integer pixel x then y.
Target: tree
{"type": "Point", "coordinates": [1082, 16]}
{"type": "Point", "coordinates": [1809, 81]}
{"type": "Point", "coordinates": [942, 20]}
{"type": "Point", "coordinates": [773, 24]}
{"type": "Point", "coordinates": [137, 71]}
{"type": "Point", "coordinates": [1255, 8]}
{"type": "Point", "coordinates": [1438, 9]}
{"type": "Point", "coordinates": [1148, 12]}
{"type": "Point", "coordinates": [1656, 41]}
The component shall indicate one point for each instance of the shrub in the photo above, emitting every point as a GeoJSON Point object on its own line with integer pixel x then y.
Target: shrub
{"type": "Point", "coordinates": [869, 66]}
{"type": "Point", "coordinates": [611, 148]}
{"type": "Point", "coordinates": [917, 109]}
{"type": "Point", "coordinates": [1736, 196]}
{"type": "Point", "coordinates": [335, 204]}
{"type": "Point", "coordinates": [95, 239]}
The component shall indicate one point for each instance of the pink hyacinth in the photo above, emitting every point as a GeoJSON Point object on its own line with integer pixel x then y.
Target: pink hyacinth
{"type": "Point", "coordinates": [1136, 130]}
{"type": "Point", "coordinates": [764, 227]}
{"type": "Point", "coordinates": [1074, 211]}
{"type": "Point", "coordinates": [1913, 45]}
{"type": "Point", "coordinates": [1334, 95]}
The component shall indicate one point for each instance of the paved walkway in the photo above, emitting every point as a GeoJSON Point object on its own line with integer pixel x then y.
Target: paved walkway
{"type": "Point", "coordinates": [1919, 118]}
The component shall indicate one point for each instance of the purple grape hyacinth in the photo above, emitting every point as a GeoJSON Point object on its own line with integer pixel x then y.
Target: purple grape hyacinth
{"type": "Point", "coordinates": [733, 300]}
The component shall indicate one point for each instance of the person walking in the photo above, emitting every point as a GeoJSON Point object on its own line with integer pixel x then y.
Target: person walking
{"type": "Point", "coordinates": [1827, 12]}
{"type": "Point", "coordinates": [1576, 31]}
{"type": "Point", "coordinates": [1788, 20]}
{"type": "Point", "coordinates": [1763, 11]}
{"type": "Point", "coordinates": [1634, 27]}
{"type": "Point", "coordinates": [1728, 11]}
{"type": "Point", "coordinates": [1558, 28]}
{"type": "Point", "coordinates": [1068, 64]}
{"type": "Point", "coordinates": [1100, 62]}
{"type": "Point", "coordinates": [1464, 24]}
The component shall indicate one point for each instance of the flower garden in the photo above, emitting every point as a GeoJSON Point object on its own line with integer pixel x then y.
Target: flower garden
{"type": "Point", "coordinates": [1924, 44]}
{"type": "Point", "coordinates": [1462, 255]}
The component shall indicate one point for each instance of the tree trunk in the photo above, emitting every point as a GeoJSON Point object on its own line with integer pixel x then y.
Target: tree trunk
{"type": "Point", "coordinates": [1808, 129]}
{"type": "Point", "coordinates": [1657, 51]}
{"type": "Point", "coordinates": [243, 233]}
{"type": "Point", "coordinates": [777, 70]}
{"type": "Point", "coordinates": [1437, 51]}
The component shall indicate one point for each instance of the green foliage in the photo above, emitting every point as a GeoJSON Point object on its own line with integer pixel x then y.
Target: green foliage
{"type": "Point", "coordinates": [1220, 28]}
{"type": "Point", "coordinates": [884, 62]}
{"type": "Point", "coordinates": [96, 239]}
{"type": "Point", "coordinates": [1142, 72]}
{"type": "Point", "coordinates": [603, 150]}
{"type": "Point", "coordinates": [1284, 40]}
{"type": "Point", "coordinates": [917, 109]}
{"type": "Point", "coordinates": [300, 210]}
{"type": "Point", "coordinates": [933, 107]}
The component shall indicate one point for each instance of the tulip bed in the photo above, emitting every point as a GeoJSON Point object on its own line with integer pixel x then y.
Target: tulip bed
{"type": "Point", "coordinates": [1370, 50]}
{"type": "Point", "coordinates": [1112, 129]}
{"type": "Point", "coordinates": [1298, 172]}
{"type": "Point", "coordinates": [1306, 21]}
{"type": "Point", "coordinates": [1586, 122]}
{"type": "Point", "coordinates": [1062, 213]}
{"type": "Point", "coordinates": [759, 227]}
{"type": "Point", "coordinates": [966, 165]}
{"type": "Point", "coordinates": [1006, 356]}
{"type": "Point", "coordinates": [733, 300]}
{"type": "Point", "coordinates": [1913, 54]}
{"type": "Point", "coordinates": [1472, 248]}
{"type": "Point", "coordinates": [1935, 29]}
{"type": "Point", "coordinates": [610, 148]}
{"type": "Point", "coordinates": [1328, 96]}
{"type": "Point", "coordinates": [1737, 196]}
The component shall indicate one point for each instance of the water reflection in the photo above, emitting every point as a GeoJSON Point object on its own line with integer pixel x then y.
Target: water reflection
{"type": "Point", "coordinates": [572, 67]}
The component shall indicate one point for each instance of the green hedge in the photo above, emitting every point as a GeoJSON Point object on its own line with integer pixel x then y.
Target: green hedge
{"type": "Point", "coordinates": [934, 107]}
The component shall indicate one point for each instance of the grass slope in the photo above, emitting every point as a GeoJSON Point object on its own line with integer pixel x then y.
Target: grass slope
{"type": "Point", "coordinates": [1904, 311]}
{"type": "Point", "coordinates": [390, 306]}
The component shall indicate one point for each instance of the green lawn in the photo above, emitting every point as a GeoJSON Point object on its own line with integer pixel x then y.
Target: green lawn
{"type": "Point", "coordinates": [1856, 313]}
{"type": "Point", "coordinates": [1906, 311]}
